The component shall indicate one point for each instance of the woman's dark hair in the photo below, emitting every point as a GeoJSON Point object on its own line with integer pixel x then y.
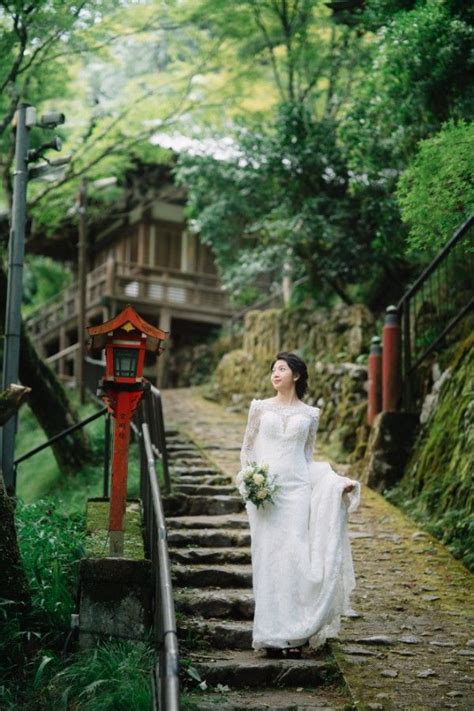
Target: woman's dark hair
{"type": "Point", "coordinates": [298, 366]}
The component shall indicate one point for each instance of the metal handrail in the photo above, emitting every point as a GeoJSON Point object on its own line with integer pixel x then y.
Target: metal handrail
{"type": "Point", "coordinates": [154, 416]}
{"type": "Point", "coordinates": [165, 675]}
{"type": "Point", "coordinates": [434, 304]}
{"type": "Point", "coordinates": [60, 435]}
{"type": "Point", "coordinates": [458, 234]}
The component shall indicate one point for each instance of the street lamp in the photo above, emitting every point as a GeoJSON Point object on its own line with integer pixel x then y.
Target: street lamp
{"type": "Point", "coordinates": [125, 338]}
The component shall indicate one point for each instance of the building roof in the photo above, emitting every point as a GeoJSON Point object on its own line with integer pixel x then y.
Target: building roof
{"type": "Point", "coordinates": [127, 320]}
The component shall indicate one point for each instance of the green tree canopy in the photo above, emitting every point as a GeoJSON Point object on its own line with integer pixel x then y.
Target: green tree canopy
{"type": "Point", "coordinates": [436, 191]}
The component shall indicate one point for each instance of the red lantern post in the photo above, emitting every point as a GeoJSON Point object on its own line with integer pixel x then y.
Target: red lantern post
{"type": "Point", "coordinates": [125, 338]}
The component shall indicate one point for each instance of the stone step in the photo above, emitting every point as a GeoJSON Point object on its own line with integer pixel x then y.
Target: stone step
{"type": "Point", "coordinates": [215, 556]}
{"type": "Point", "coordinates": [233, 521]}
{"type": "Point", "coordinates": [172, 432]}
{"type": "Point", "coordinates": [177, 479]}
{"type": "Point", "coordinates": [183, 505]}
{"type": "Point", "coordinates": [206, 489]}
{"type": "Point", "coordinates": [217, 576]}
{"type": "Point", "coordinates": [249, 670]}
{"type": "Point", "coordinates": [233, 604]}
{"type": "Point", "coordinates": [178, 447]}
{"type": "Point", "coordinates": [212, 538]}
{"type": "Point", "coordinates": [198, 479]}
{"type": "Point", "coordinates": [192, 463]}
{"type": "Point", "coordinates": [185, 454]}
{"type": "Point", "coordinates": [194, 470]}
{"type": "Point", "coordinates": [177, 438]}
{"type": "Point", "coordinates": [270, 700]}
{"type": "Point", "coordinates": [221, 634]}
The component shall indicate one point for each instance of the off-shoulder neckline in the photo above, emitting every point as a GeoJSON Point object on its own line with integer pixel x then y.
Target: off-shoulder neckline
{"type": "Point", "coordinates": [302, 408]}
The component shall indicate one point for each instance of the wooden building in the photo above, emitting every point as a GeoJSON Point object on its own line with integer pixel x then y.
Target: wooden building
{"type": "Point", "coordinates": [141, 254]}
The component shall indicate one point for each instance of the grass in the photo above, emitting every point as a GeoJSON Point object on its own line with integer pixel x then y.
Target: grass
{"type": "Point", "coordinates": [40, 477]}
{"type": "Point", "coordinates": [51, 524]}
{"type": "Point", "coordinates": [34, 674]}
{"type": "Point", "coordinates": [97, 520]}
{"type": "Point", "coordinates": [112, 677]}
{"type": "Point", "coordinates": [51, 545]}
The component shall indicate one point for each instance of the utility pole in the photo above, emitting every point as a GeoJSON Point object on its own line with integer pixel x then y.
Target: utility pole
{"type": "Point", "coordinates": [81, 278]}
{"type": "Point", "coordinates": [81, 210]}
{"type": "Point", "coordinates": [24, 119]}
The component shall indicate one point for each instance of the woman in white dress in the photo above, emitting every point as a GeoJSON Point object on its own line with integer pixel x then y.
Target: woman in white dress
{"type": "Point", "coordinates": [301, 558]}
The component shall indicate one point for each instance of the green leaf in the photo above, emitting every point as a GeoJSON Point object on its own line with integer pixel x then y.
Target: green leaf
{"type": "Point", "coordinates": [39, 672]}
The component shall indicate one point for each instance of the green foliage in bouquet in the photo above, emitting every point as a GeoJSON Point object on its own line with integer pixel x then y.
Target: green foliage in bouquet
{"type": "Point", "coordinates": [256, 485]}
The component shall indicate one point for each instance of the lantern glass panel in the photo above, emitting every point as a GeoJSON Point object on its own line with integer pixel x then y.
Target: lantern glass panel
{"type": "Point", "coordinates": [125, 362]}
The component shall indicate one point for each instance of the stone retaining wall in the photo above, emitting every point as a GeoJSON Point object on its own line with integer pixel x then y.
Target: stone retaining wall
{"type": "Point", "coordinates": [334, 344]}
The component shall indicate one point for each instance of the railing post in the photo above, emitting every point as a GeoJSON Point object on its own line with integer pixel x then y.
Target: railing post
{"type": "Point", "coordinates": [406, 345]}
{"type": "Point", "coordinates": [162, 439]}
{"type": "Point", "coordinates": [391, 362]}
{"type": "Point", "coordinates": [375, 380]}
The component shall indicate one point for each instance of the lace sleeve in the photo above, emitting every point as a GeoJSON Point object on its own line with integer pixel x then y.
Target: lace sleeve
{"type": "Point", "coordinates": [247, 452]}
{"type": "Point", "coordinates": [311, 439]}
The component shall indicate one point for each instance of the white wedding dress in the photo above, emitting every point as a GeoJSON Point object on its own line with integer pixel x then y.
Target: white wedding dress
{"type": "Point", "coordinates": [301, 557]}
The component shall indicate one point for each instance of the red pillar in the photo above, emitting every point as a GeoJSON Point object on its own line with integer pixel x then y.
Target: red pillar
{"type": "Point", "coordinates": [122, 404]}
{"type": "Point", "coordinates": [120, 462]}
{"type": "Point", "coordinates": [375, 380]}
{"type": "Point", "coordinates": [391, 362]}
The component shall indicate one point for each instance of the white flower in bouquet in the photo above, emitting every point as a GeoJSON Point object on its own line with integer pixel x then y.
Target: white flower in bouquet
{"type": "Point", "coordinates": [256, 485]}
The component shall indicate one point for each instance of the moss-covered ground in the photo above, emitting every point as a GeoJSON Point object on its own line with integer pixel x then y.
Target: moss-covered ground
{"type": "Point", "coordinates": [97, 521]}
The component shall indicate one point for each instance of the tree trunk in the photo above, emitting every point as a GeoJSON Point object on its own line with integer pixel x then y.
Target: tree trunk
{"type": "Point", "coordinates": [52, 409]}
{"type": "Point", "coordinates": [10, 401]}
{"type": "Point", "coordinates": [13, 583]}
{"type": "Point", "coordinates": [49, 401]}
{"type": "Point", "coordinates": [338, 288]}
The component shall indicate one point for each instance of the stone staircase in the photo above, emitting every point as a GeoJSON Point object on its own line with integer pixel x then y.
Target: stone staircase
{"type": "Point", "coordinates": [209, 545]}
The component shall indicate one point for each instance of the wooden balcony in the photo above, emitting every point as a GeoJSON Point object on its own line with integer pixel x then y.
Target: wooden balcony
{"type": "Point", "coordinates": [189, 295]}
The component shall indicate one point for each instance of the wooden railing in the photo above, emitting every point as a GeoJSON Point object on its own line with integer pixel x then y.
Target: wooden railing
{"type": "Point", "coordinates": [64, 306]}
{"type": "Point", "coordinates": [169, 287]}
{"type": "Point", "coordinates": [132, 282]}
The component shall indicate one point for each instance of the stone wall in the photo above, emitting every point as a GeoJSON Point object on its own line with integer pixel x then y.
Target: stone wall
{"type": "Point", "coordinates": [437, 487]}
{"type": "Point", "coordinates": [334, 344]}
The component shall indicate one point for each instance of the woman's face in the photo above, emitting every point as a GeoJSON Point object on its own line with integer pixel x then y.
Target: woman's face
{"type": "Point", "coordinates": [282, 376]}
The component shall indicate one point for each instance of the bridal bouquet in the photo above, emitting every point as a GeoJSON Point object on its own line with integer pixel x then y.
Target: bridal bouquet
{"type": "Point", "coordinates": [255, 484]}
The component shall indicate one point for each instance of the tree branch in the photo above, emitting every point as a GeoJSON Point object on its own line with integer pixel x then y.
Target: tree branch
{"type": "Point", "coordinates": [20, 30]}
{"type": "Point", "coordinates": [270, 46]}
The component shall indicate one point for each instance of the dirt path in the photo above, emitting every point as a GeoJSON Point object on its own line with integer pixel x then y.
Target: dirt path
{"type": "Point", "coordinates": [411, 645]}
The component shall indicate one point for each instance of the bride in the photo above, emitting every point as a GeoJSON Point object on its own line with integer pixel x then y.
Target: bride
{"type": "Point", "coordinates": [301, 558]}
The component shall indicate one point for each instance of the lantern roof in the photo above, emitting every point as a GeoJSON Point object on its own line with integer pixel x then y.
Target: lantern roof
{"type": "Point", "coordinates": [127, 320]}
